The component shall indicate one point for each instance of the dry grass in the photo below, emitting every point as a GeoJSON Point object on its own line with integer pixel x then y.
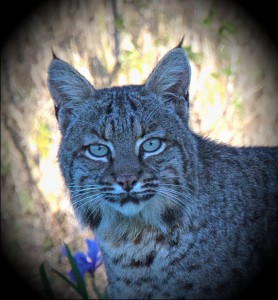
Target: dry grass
{"type": "Point", "coordinates": [233, 99]}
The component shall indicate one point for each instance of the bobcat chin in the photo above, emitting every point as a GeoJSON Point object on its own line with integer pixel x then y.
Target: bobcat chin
{"type": "Point", "coordinates": [175, 215]}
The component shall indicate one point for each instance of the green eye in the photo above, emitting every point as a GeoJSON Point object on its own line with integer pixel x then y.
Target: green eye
{"type": "Point", "coordinates": [151, 145]}
{"type": "Point", "coordinates": [98, 150]}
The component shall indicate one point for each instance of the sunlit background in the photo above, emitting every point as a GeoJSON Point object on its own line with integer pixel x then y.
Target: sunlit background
{"type": "Point", "coordinates": [233, 95]}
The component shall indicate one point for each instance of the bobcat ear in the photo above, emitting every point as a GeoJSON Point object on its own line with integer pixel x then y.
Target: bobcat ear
{"type": "Point", "coordinates": [66, 84]}
{"type": "Point", "coordinates": [171, 77]}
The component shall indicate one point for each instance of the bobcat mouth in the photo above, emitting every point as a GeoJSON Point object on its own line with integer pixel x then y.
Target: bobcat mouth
{"type": "Point", "coordinates": [130, 205]}
{"type": "Point", "coordinates": [130, 199]}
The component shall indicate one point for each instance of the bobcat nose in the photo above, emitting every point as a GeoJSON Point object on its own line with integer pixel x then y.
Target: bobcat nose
{"type": "Point", "coordinates": [126, 181]}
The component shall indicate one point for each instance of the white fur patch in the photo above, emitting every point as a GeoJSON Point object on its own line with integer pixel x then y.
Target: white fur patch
{"type": "Point", "coordinates": [117, 189]}
{"type": "Point", "coordinates": [137, 188]}
{"type": "Point", "coordinates": [129, 209]}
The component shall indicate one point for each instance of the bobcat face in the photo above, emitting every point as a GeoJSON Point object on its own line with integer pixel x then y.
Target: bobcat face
{"type": "Point", "coordinates": [125, 157]}
{"type": "Point", "coordinates": [123, 149]}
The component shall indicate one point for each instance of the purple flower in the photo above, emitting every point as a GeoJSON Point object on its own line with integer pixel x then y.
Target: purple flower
{"type": "Point", "coordinates": [88, 262]}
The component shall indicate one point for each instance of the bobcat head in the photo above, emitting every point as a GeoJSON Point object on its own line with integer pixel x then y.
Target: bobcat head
{"type": "Point", "coordinates": [127, 152]}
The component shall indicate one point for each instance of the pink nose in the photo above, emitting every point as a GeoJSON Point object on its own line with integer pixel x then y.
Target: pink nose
{"type": "Point", "coordinates": [126, 181]}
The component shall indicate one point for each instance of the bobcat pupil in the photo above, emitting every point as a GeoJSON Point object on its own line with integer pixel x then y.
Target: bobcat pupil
{"type": "Point", "coordinates": [98, 150]}
{"type": "Point", "coordinates": [151, 145]}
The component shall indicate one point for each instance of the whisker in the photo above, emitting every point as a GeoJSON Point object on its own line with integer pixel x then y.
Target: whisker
{"type": "Point", "coordinates": [79, 198]}
{"type": "Point", "coordinates": [91, 197]}
{"type": "Point", "coordinates": [88, 207]}
{"type": "Point", "coordinates": [190, 185]}
{"type": "Point", "coordinates": [170, 193]}
{"type": "Point", "coordinates": [74, 191]}
{"type": "Point", "coordinates": [181, 188]}
{"type": "Point", "coordinates": [151, 114]}
{"type": "Point", "coordinates": [80, 193]}
{"type": "Point", "coordinates": [175, 199]}
{"type": "Point", "coordinates": [82, 186]}
{"type": "Point", "coordinates": [96, 206]}
{"type": "Point", "coordinates": [172, 184]}
{"type": "Point", "coordinates": [184, 188]}
{"type": "Point", "coordinates": [79, 205]}
{"type": "Point", "coordinates": [173, 191]}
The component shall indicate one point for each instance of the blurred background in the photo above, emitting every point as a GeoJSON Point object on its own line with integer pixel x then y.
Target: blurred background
{"type": "Point", "coordinates": [233, 100]}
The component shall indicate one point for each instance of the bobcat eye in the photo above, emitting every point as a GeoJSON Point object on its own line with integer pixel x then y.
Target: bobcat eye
{"type": "Point", "coordinates": [151, 145]}
{"type": "Point", "coordinates": [98, 150]}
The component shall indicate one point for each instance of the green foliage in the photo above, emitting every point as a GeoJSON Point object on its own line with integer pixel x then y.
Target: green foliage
{"type": "Point", "coordinates": [43, 138]}
{"type": "Point", "coordinates": [227, 71]}
{"type": "Point", "coordinates": [46, 284]}
{"type": "Point", "coordinates": [76, 281]}
{"type": "Point", "coordinates": [195, 57]}
{"type": "Point", "coordinates": [224, 71]}
{"type": "Point", "coordinates": [119, 23]}
{"type": "Point", "coordinates": [47, 243]}
{"type": "Point", "coordinates": [5, 161]}
{"type": "Point", "coordinates": [215, 75]}
{"type": "Point", "coordinates": [237, 103]}
{"type": "Point", "coordinates": [130, 59]}
{"type": "Point", "coordinates": [161, 40]}
{"type": "Point", "coordinates": [26, 201]}
{"type": "Point", "coordinates": [81, 287]}
{"type": "Point", "coordinates": [227, 27]}
{"type": "Point", "coordinates": [210, 18]}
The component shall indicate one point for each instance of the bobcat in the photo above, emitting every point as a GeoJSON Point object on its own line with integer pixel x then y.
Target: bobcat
{"type": "Point", "coordinates": [175, 215]}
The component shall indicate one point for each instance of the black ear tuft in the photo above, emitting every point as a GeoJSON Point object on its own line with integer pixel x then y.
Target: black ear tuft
{"type": "Point", "coordinates": [180, 43]}
{"type": "Point", "coordinates": [54, 56]}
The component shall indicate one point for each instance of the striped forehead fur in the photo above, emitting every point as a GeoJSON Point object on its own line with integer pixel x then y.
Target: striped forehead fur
{"type": "Point", "coordinates": [122, 112]}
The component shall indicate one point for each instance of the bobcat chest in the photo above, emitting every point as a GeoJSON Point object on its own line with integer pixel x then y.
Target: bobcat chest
{"type": "Point", "coordinates": [144, 266]}
{"type": "Point", "coordinates": [140, 251]}
{"type": "Point", "coordinates": [135, 267]}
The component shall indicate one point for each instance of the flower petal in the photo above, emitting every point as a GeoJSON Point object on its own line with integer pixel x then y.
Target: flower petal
{"type": "Point", "coordinates": [71, 276]}
{"type": "Point", "coordinates": [92, 249]}
{"type": "Point", "coordinates": [82, 264]}
{"type": "Point", "coordinates": [64, 251]}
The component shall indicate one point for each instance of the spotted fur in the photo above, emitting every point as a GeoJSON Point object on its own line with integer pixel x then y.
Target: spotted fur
{"type": "Point", "coordinates": [198, 219]}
